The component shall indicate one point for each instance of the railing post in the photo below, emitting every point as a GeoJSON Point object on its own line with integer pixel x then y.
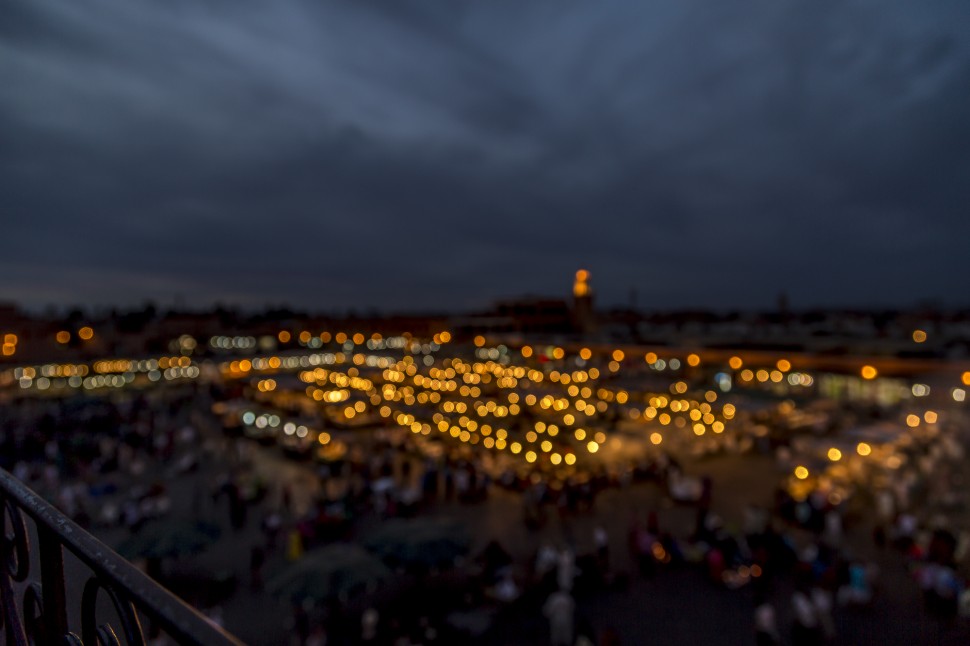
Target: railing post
{"type": "Point", "coordinates": [52, 586]}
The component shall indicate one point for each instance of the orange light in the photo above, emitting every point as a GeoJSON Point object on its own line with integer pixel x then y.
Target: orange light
{"type": "Point", "coordinates": [869, 372]}
{"type": "Point", "coordinates": [693, 360]}
{"type": "Point", "coordinates": [284, 336]}
{"type": "Point", "coordinates": [735, 363]}
{"type": "Point", "coordinates": [63, 337]}
{"type": "Point", "coordinates": [86, 333]}
{"type": "Point", "coordinates": [479, 341]}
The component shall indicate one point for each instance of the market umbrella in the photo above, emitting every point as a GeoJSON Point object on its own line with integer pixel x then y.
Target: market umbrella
{"type": "Point", "coordinates": [332, 572]}
{"type": "Point", "coordinates": [170, 538]}
{"type": "Point", "coordinates": [427, 542]}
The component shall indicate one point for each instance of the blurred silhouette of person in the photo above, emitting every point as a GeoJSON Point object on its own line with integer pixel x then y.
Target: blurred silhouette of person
{"type": "Point", "coordinates": [805, 629]}
{"type": "Point", "coordinates": [559, 608]}
{"type": "Point", "coordinates": [766, 624]}
{"type": "Point", "coordinates": [368, 626]}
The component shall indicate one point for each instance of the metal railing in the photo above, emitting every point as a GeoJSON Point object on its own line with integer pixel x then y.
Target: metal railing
{"type": "Point", "coordinates": [40, 616]}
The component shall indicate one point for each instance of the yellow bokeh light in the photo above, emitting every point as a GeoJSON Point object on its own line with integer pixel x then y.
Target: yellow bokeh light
{"type": "Point", "coordinates": [912, 421]}
{"type": "Point", "coordinates": [585, 354]}
{"type": "Point", "coordinates": [919, 336]}
{"type": "Point", "coordinates": [693, 360]}
{"type": "Point", "coordinates": [618, 355]}
{"type": "Point", "coordinates": [656, 438]}
{"type": "Point", "coordinates": [930, 417]}
{"type": "Point", "coordinates": [530, 456]}
{"type": "Point", "coordinates": [735, 363]}
{"type": "Point", "coordinates": [593, 447]}
{"type": "Point", "coordinates": [801, 472]}
{"type": "Point", "coordinates": [784, 365]}
{"type": "Point", "coordinates": [526, 351]}
{"type": "Point", "coordinates": [868, 372]}
{"type": "Point", "coordinates": [966, 378]}
{"type": "Point", "coordinates": [863, 449]}
{"type": "Point", "coordinates": [834, 454]}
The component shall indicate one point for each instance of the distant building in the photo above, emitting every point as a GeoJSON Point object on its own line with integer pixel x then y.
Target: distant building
{"type": "Point", "coordinates": [536, 315]}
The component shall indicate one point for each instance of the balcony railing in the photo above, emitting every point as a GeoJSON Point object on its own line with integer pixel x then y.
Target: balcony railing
{"type": "Point", "coordinates": [35, 604]}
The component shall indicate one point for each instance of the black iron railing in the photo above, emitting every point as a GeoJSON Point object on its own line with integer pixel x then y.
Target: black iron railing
{"type": "Point", "coordinates": [35, 605]}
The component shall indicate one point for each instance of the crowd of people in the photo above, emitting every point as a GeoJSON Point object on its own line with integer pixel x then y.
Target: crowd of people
{"type": "Point", "coordinates": [111, 466]}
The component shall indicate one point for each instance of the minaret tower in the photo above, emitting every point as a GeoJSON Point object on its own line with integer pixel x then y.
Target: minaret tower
{"type": "Point", "coordinates": [583, 303]}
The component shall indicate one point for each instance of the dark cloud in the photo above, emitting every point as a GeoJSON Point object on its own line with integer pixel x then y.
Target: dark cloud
{"type": "Point", "coordinates": [425, 155]}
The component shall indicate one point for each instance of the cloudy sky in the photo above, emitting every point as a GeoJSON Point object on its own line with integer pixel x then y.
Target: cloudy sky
{"type": "Point", "coordinates": [399, 154]}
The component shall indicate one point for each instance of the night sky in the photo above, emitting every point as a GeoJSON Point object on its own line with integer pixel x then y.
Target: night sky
{"type": "Point", "coordinates": [439, 155]}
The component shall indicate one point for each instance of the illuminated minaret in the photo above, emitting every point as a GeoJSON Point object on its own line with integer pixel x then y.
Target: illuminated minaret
{"type": "Point", "coordinates": [583, 303]}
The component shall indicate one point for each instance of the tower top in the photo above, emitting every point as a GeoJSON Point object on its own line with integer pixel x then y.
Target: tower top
{"type": "Point", "coordinates": [581, 286]}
